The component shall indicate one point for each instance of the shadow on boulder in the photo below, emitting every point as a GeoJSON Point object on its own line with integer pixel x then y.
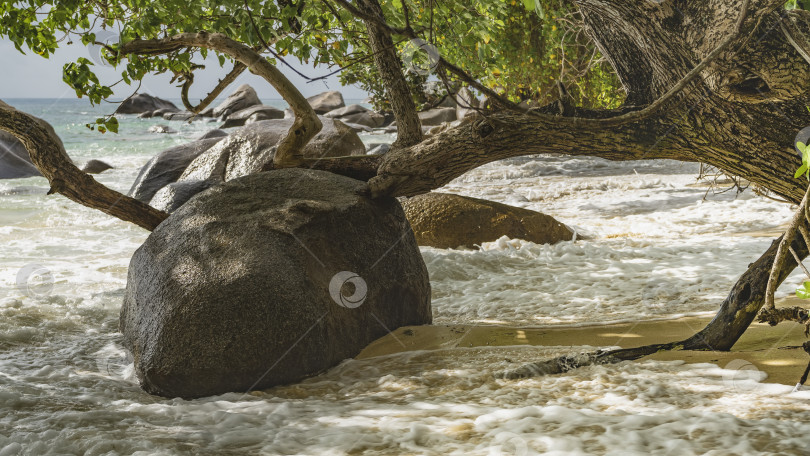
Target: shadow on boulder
{"type": "Point", "coordinates": [268, 279]}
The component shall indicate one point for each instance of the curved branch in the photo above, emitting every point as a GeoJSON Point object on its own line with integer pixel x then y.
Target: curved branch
{"type": "Point", "coordinates": [49, 156]}
{"type": "Point", "coordinates": [222, 84]}
{"type": "Point", "coordinates": [306, 124]}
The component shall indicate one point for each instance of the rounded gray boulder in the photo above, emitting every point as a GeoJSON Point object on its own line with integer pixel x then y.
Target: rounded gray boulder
{"type": "Point", "coordinates": [244, 97]}
{"type": "Point", "coordinates": [15, 162]}
{"type": "Point", "coordinates": [268, 279]}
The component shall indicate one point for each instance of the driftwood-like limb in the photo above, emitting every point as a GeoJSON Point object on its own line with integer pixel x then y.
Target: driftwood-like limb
{"type": "Point", "coordinates": [799, 218]}
{"type": "Point", "coordinates": [306, 124]}
{"type": "Point", "coordinates": [49, 156]}
{"type": "Point", "coordinates": [775, 316]}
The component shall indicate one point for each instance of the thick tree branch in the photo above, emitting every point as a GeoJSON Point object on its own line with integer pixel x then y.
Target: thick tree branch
{"type": "Point", "coordinates": [49, 156]}
{"type": "Point", "coordinates": [306, 124]}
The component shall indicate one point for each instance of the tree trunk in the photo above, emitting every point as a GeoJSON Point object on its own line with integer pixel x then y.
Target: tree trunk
{"type": "Point", "coordinates": [409, 127]}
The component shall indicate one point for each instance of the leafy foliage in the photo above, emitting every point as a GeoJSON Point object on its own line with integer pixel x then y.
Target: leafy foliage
{"type": "Point", "coordinates": [520, 48]}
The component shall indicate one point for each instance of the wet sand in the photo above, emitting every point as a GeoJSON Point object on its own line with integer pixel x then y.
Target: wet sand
{"type": "Point", "coordinates": [774, 350]}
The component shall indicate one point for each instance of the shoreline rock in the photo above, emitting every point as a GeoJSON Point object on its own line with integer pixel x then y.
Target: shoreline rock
{"type": "Point", "coordinates": [202, 317]}
{"type": "Point", "coordinates": [449, 221]}
{"type": "Point", "coordinates": [141, 103]}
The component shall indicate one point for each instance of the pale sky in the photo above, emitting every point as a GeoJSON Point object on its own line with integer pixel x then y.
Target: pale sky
{"type": "Point", "coordinates": [31, 76]}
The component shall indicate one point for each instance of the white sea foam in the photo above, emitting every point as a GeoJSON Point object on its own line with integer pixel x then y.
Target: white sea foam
{"type": "Point", "coordinates": [655, 249]}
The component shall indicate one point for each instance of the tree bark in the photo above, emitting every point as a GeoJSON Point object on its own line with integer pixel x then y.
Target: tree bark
{"type": "Point", "coordinates": [409, 127]}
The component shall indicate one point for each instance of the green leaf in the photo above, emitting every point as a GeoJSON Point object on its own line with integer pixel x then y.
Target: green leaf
{"type": "Point", "coordinates": [112, 124]}
{"type": "Point", "coordinates": [397, 4]}
{"type": "Point", "coordinates": [800, 171]}
{"type": "Point", "coordinates": [529, 4]}
{"type": "Point", "coordinates": [803, 292]}
{"type": "Point", "coordinates": [801, 146]}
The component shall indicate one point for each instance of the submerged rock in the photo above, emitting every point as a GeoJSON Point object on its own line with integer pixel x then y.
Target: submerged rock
{"type": "Point", "coordinates": [266, 280]}
{"type": "Point", "coordinates": [161, 129]}
{"type": "Point", "coordinates": [96, 167]}
{"type": "Point", "coordinates": [449, 221]}
{"type": "Point", "coordinates": [142, 102]}
{"type": "Point", "coordinates": [180, 115]}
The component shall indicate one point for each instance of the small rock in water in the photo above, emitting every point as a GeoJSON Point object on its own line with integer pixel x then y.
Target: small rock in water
{"type": "Point", "coordinates": [161, 129]}
{"type": "Point", "coordinates": [96, 167]}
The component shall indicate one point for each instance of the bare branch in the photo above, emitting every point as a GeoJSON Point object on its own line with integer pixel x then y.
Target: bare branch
{"type": "Point", "coordinates": [49, 156]}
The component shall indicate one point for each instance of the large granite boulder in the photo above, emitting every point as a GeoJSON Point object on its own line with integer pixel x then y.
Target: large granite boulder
{"type": "Point", "coordinates": [327, 101]}
{"type": "Point", "coordinates": [166, 167]}
{"type": "Point", "coordinates": [174, 195]}
{"type": "Point", "coordinates": [215, 133]}
{"type": "Point", "coordinates": [449, 221]}
{"type": "Point", "coordinates": [244, 97]}
{"type": "Point", "coordinates": [437, 116]}
{"type": "Point", "coordinates": [142, 102]}
{"type": "Point", "coordinates": [254, 113]}
{"type": "Point", "coordinates": [266, 280]}
{"type": "Point", "coordinates": [15, 162]}
{"type": "Point", "coordinates": [246, 150]}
